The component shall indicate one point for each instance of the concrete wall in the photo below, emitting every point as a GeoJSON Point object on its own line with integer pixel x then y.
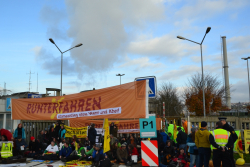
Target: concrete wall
{"type": "Point", "coordinates": [2, 105]}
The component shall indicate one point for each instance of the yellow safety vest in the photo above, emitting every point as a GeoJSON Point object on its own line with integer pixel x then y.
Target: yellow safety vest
{"type": "Point", "coordinates": [221, 137]}
{"type": "Point", "coordinates": [6, 150]}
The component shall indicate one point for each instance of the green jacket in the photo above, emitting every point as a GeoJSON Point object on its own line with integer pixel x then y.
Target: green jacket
{"type": "Point", "coordinates": [81, 152]}
{"type": "Point", "coordinates": [90, 152]}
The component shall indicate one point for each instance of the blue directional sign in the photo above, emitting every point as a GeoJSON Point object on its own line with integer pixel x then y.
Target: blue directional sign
{"type": "Point", "coordinates": [148, 127]}
{"type": "Point", "coordinates": [152, 85]}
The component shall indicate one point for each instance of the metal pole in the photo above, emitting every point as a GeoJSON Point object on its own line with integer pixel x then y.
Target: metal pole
{"type": "Point", "coordinates": [248, 80]}
{"type": "Point", "coordinates": [204, 107]}
{"type": "Point", "coordinates": [61, 70]}
{"type": "Point", "coordinates": [120, 79]}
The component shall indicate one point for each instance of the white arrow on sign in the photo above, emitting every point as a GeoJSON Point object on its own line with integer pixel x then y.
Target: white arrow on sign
{"type": "Point", "coordinates": [150, 92]}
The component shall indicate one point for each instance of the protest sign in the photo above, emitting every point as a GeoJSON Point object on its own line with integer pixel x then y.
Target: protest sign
{"type": "Point", "coordinates": [123, 101]}
{"type": "Point", "coordinates": [78, 132]}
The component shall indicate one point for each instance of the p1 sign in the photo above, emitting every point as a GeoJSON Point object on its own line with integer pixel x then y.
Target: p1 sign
{"type": "Point", "coordinates": [148, 127]}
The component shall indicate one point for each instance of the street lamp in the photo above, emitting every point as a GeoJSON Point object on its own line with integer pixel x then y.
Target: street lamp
{"type": "Point", "coordinates": [248, 75]}
{"type": "Point", "coordinates": [180, 37]}
{"type": "Point", "coordinates": [52, 41]}
{"type": "Point", "coordinates": [120, 75]}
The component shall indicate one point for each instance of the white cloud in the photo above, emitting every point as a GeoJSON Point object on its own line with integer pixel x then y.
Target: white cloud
{"type": "Point", "coordinates": [167, 46]}
{"type": "Point", "coordinates": [140, 63]}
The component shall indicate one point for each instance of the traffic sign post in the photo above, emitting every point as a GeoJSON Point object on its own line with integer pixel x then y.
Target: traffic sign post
{"type": "Point", "coordinates": [152, 85]}
{"type": "Point", "coordinates": [148, 127]}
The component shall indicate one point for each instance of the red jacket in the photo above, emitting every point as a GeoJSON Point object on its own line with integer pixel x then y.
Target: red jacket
{"type": "Point", "coordinates": [134, 151]}
{"type": "Point", "coordinates": [6, 133]}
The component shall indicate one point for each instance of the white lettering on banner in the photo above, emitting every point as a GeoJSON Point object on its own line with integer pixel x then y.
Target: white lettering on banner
{"type": "Point", "coordinates": [128, 130]}
{"type": "Point", "coordinates": [107, 111]}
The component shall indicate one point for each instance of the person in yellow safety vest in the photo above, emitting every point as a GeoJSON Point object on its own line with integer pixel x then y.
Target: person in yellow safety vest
{"type": "Point", "coordinates": [6, 150]}
{"type": "Point", "coordinates": [220, 140]}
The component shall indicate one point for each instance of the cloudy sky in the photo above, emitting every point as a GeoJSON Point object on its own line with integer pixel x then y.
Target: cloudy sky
{"type": "Point", "coordinates": [133, 37]}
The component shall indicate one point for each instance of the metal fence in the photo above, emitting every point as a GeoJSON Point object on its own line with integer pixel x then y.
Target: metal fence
{"type": "Point", "coordinates": [32, 128]}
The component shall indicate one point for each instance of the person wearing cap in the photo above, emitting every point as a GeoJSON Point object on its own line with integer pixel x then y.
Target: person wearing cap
{"type": "Point", "coordinates": [21, 145]}
{"type": "Point", "coordinates": [182, 139]}
{"type": "Point", "coordinates": [220, 140]}
{"type": "Point", "coordinates": [193, 150]}
{"type": "Point", "coordinates": [203, 144]}
{"type": "Point", "coordinates": [233, 135]}
{"type": "Point", "coordinates": [122, 155]}
{"type": "Point", "coordinates": [34, 147]}
{"type": "Point", "coordinates": [97, 155]}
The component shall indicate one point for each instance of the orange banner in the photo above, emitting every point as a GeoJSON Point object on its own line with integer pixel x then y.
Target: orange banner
{"type": "Point", "coordinates": [123, 101]}
{"type": "Point", "coordinates": [124, 126]}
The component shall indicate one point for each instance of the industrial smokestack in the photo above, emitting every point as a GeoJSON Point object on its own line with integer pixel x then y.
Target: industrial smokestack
{"type": "Point", "coordinates": [227, 87]}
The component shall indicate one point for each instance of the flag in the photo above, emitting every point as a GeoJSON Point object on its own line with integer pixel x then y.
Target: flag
{"type": "Point", "coordinates": [106, 146]}
{"type": "Point", "coordinates": [239, 147]}
{"type": "Point", "coordinates": [175, 131]}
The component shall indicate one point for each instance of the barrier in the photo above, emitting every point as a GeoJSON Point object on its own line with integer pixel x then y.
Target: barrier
{"type": "Point", "coordinates": [149, 153]}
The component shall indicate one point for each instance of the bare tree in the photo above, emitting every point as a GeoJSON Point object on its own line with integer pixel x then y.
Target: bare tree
{"type": "Point", "coordinates": [168, 94]}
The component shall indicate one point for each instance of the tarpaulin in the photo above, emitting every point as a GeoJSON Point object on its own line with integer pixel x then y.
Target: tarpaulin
{"type": "Point", "coordinates": [123, 101]}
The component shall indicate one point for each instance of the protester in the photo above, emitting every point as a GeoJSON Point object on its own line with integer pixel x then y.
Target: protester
{"type": "Point", "coordinates": [168, 153]}
{"type": "Point", "coordinates": [52, 133]}
{"type": "Point", "coordinates": [203, 145]}
{"type": "Point", "coordinates": [122, 155]}
{"type": "Point", "coordinates": [90, 152]}
{"type": "Point", "coordinates": [21, 145]}
{"type": "Point", "coordinates": [181, 158]}
{"type": "Point", "coordinates": [193, 150]}
{"type": "Point", "coordinates": [132, 140]}
{"type": "Point", "coordinates": [20, 132]}
{"type": "Point", "coordinates": [164, 136]}
{"type": "Point", "coordinates": [92, 134]}
{"type": "Point", "coordinates": [221, 142]}
{"type": "Point", "coordinates": [132, 151]}
{"type": "Point", "coordinates": [5, 132]}
{"type": "Point", "coordinates": [170, 136]}
{"type": "Point", "coordinates": [73, 143]}
{"type": "Point", "coordinates": [182, 139]}
{"type": "Point", "coordinates": [112, 139]}
{"type": "Point", "coordinates": [138, 140]}
{"type": "Point", "coordinates": [114, 131]}
{"type": "Point", "coordinates": [61, 133]}
{"type": "Point", "coordinates": [87, 143]}
{"type": "Point", "coordinates": [61, 144]}
{"type": "Point", "coordinates": [4, 138]}
{"type": "Point", "coordinates": [50, 152]}
{"type": "Point", "coordinates": [40, 137]}
{"type": "Point", "coordinates": [184, 125]}
{"type": "Point", "coordinates": [34, 147]}
{"type": "Point", "coordinates": [65, 152]}
{"type": "Point", "coordinates": [57, 128]}
{"type": "Point", "coordinates": [114, 148]}
{"type": "Point", "coordinates": [97, 155]}
{"type": "Point", "coordinates": [111, 127]}
{"type": "Point", "coordinates": [81, 154]}
{"type": "Point", "coordinates": [234, 137]}
{"type": "Point", "coordinates": [46, 137]}
{"type": "Point", "coordinates": [123, 140]}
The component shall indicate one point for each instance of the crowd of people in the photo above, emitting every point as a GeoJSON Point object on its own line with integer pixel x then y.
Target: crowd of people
{"type": "Point", "coordinates": [192, 149]}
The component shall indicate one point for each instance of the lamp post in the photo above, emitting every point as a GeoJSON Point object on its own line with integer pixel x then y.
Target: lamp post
{"type": "Point", "coordinates": [180, 37]}
{"type": "Point", "coordinates": [248, 75]}
{"type": "Point", "coordinates": [52, 41]}
{"type": "Point", "coordinates": [120, 75]}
